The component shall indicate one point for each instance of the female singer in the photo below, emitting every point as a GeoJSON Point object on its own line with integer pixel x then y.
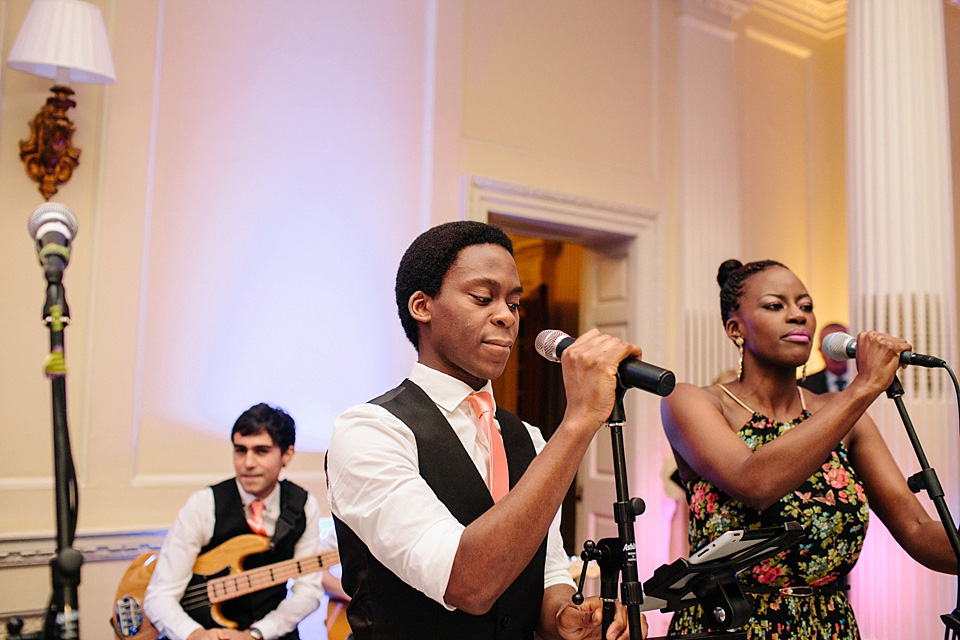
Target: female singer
{"type": "Point", "coordinates": [760, 451]}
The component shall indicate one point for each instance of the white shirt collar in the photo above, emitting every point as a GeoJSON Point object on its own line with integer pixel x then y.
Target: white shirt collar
{"type": "Point", "coordinates": [445, 390]}
{"type": "Point", "coordinates": [833, 376]}
{"type": "Point", "coordinates": [269, 503]}
{"type": "Point", "coordinates": [833, 381]}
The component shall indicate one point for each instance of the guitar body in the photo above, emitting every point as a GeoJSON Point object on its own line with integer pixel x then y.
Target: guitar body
{"type": "Point", "coordinates": [338, 628]}
{"type": "Point", "coordinates": [223, 560]}
{"type": "Point", "coordinates": [129, 621]}
{"type": "Point", "coordinates": [218, 577]}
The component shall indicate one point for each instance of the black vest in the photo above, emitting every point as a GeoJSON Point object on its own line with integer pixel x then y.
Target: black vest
{"type": "Point", "coordinates": [383, 607]}
{"type": "Point", "coordinates": [231, 522]}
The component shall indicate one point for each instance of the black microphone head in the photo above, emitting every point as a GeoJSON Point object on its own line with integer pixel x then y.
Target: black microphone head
{"type": "Point", "coordinates": [546, 343]}
{"type": "Point", "coordinates": [52, 216]}
{"type": "Point", "coordinates": [839, 346]}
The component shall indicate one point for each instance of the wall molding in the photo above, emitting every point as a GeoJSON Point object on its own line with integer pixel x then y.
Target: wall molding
{"type": "Point", "coordinates": [557, 215]}
{"type": "Point", "coordinates": [33, 551]}
{"type": "Point", "coordinates": [721, 12]}
{"type": "Point", "coordinates": [788, 47]}
{"type": "Point", "coordinates": [825, 19]}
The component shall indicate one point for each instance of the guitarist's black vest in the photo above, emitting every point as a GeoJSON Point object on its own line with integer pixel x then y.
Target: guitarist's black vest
{"type": "Point", "coordinates": [231, 522]}
{"type": "Point", "coordinates": [383, 607]}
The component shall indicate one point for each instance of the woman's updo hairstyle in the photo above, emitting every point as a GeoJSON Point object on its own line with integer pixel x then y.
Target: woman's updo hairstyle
{"type": "Point", "coordinates": [731, 276]}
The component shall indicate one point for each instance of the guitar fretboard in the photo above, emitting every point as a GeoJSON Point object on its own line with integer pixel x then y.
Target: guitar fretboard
{"type": "Point", "coordinates": [239, 584]}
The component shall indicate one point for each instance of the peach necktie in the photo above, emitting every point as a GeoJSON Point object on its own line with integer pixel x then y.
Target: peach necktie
{"type": "Point", "coordinates": [482, 403]}
{"type": "Point", "coordinates": [256, 518]}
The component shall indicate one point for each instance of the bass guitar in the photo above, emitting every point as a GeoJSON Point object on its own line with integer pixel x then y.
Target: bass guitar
{"type": "Point", "coordinates": [218, 577]}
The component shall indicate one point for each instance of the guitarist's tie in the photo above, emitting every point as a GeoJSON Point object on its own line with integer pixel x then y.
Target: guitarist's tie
{"type": "Point", "coordinates": [256, 518]}
{"type": "Point", "coordinates": [482, 403]}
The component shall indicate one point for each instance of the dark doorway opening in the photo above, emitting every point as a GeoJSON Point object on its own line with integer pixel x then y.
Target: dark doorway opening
{"type": "Point", "coordinates": [531, 386]}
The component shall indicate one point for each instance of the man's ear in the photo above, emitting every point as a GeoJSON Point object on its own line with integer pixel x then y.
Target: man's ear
{"type": "Point", "coordinates": [287, 455]}
{"type": "Point", "coordinates": [419, 306]}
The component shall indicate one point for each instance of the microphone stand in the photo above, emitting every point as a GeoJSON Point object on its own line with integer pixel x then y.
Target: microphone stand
{"type": "Point", "coordinates": [615, 555]}
{"type": "Point", "coordinates": [926, 479]}
{"type": "Point", "coordinates": [720, 595]}
{"type": "Point", "coordinates": [62, 618]}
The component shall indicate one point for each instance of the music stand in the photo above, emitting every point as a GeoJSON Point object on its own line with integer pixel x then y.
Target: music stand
{"type": "Point", "coordinates": [709, 577]}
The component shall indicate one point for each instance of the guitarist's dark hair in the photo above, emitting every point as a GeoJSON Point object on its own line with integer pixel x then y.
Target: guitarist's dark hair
{"type": "Point", "coordinates": [273, 420]}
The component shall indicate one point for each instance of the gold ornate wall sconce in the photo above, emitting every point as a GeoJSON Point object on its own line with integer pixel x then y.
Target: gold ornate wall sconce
{"type": "Point", "coordinates": [65, 40]}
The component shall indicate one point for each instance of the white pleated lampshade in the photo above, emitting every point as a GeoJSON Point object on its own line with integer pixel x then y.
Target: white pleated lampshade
{"type": "Point", "coordinates": [64, 34]}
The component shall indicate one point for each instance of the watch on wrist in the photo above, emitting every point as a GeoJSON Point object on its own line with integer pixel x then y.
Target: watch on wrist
{"type": "Point", "coordinates": [255, 633]}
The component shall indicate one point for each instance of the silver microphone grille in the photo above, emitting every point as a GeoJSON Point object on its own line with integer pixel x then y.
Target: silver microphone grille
{"type": "Point", "coordinates": [547, 341]}
{"type": "Point", "coordinates": [836, 344]}
{"type": "Point", "coordinates": [52, 212]}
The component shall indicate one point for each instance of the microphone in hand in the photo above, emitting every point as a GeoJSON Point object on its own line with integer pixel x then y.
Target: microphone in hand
{"type": "Point", "coordinates": [843, 346]}
{"type": "Point", "coordinates": [633, 372]}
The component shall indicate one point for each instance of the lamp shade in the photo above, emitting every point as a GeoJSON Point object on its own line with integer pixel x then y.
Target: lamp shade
{"type": "Point", "coordinates": [64, 34]}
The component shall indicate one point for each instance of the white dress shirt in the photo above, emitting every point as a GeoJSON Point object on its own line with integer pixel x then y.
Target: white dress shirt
{"type": "Point", "coordinates": [833, 381]}
{"type": "Point", "coordinates": [192, 530]}
{"type": "Point", "coordinates": [376, 488]}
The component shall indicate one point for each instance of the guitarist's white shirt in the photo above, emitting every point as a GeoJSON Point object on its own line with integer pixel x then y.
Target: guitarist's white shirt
{"type": "Point", "coordinates": [192, 530]}
{"type": "Point", "coordinates": [376, 488]}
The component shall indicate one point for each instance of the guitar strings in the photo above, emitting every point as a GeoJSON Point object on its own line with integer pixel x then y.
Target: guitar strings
{"type": "Point", "coordinates": [198, 595]}
{"type": "Point", "coordinates": [239, 584]}
{"type": "Point", "coordinates": [255, 579]}
{"type": "Point", "coordinates": [219, 589]}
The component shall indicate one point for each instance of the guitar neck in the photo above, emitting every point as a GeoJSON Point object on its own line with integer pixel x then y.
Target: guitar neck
{"type": "Point", "coordinates": [240, 584]}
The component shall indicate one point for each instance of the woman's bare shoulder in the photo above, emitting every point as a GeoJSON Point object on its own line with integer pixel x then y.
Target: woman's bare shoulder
{"type": "Point", "coordinates": [685, 394]}
{"type": "Point", "coordinates": [816, 400]}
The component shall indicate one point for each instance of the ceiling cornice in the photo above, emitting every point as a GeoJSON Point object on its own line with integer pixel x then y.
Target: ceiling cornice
{"type": "Point", "coordinates": [823, 18]}
{"type": "Point", "coordinates": [718, 11]}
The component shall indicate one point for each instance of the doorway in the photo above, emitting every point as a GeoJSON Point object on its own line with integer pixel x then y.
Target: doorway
{"type": "Point", "coordinates": [622, 290]}
{"type": "Point", "coordinates": [532, 387]}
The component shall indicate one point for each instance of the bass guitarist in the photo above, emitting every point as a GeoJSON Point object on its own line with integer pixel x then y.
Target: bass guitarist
{"type": "Point", "coordinates": [255, 501]}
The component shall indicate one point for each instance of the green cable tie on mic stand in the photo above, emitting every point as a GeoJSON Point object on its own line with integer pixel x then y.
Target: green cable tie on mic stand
{"type": "Point", "coordinates": [55, 364]}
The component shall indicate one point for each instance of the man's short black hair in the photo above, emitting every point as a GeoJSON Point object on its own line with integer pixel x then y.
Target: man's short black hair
{"type": "Point", "coordinates": [430, 256]}
{"type": "Point", "coordinates": [274, 420]}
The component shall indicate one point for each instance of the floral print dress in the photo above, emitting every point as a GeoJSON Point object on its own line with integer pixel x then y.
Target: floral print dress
{"type": "Point", "coordinates": [832, 508]}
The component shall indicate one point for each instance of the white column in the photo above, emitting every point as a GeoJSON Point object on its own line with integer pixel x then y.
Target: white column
{"type": "Point", "coordinates": [901, 256]}
{"type": "Point", "coordinates": [709, 181]}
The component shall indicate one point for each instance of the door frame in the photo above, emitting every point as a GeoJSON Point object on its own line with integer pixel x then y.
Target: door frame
{"type": "Point", "coordinates": [621, 232]}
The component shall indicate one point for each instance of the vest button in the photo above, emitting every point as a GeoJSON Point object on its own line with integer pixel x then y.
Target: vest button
{"type": "Point", "coordinates": [505, 622]}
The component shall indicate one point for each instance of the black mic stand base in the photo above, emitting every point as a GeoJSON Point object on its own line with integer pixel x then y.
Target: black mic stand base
{"type": "Point", "coordinates": [15, 627]}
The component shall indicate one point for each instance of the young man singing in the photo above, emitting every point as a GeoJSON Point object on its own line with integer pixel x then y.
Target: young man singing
{"type": "Point", "coordinates": [446, 507]}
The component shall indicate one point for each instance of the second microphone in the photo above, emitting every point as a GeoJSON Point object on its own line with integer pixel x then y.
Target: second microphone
{"type": "Point", "coordinates": [635, 373]}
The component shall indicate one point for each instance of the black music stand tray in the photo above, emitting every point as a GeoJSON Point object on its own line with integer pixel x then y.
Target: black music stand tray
{"type": "Point", "coordinates": [709, 577]}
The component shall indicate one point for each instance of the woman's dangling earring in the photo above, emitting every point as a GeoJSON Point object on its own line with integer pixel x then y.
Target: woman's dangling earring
{"type": "Point", "coordinates": [739, 342]}
{"type": "Point", "coordinates": [803, 373]}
